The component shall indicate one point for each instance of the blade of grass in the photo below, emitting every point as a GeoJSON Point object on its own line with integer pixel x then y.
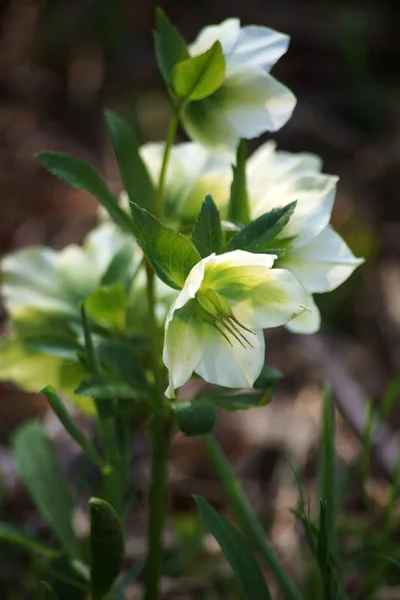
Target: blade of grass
{"type": "Point", "coordinates": [246, 516]}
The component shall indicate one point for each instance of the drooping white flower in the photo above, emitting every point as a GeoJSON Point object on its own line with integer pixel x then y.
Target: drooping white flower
{"type": "Point", "coordinates": [316, 254]}
{"type": "Point", "coordinates": [214, 327]}
{"type": "Point", "coordinates": [250, 101]}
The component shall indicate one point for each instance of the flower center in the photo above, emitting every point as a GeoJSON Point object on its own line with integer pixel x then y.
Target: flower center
{"type": "Point", "coordinates": [215, 310]}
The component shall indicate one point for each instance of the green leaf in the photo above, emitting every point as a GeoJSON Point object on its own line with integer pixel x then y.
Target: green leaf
{"type": "Point", "coordinates": [171, 254]}
{"type": "Point", "coordinates": [82, 176]}
{"type": "Point", "coordinates": [13, 535]}
{"type": "Point", "coordinates": [327, 467]}
{"type": "Point", "coordinates": [237, 552]}
{"type": "Point", "coordinates": [207, 235]}
{"type": "Point", "coordinates": [256, 236]}
{"type": "Point", "coordinates": [195, 418]}
{"type": "Point", "coordinates": [200, 76]}
{"type": "Point", "coordinates": [46, 592]}
{"type": "Point", "coordinates": [323, 543]}
{"type": "Point", "coordinates": [135, 177]}
{"type": "Point", "coordinates": [239, 209]}
{"type": "Point", "coordinates": [42, 474]}
{"type": "Point", "coordinates": [118, 270]}
{"type": "Point", "coordinates": [69, 425]}
{"type": "Point", "coordinates": [170, 46]}
{"type": "Point", "coordinates": [104, 386]}
{"type": "Point", "coordinates": [107, 547]}
{"type": "Point", "coordinates": [107, 306]}
{"type": "Point", "coordinates": [120, 358]}
{"type": "Point", "coordinates": [233, 402]}
{"type": "Point", "coordinates": [267, 378]}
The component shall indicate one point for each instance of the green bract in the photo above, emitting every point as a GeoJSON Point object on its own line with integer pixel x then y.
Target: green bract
{"type": "Point", "coordinates": [215, 325]}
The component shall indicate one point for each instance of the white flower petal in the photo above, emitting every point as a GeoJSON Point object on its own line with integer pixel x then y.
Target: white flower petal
{"type": "Point", "coordinates": [226, 32]}
{"type": "Point", "coordinates": [267, 167]}
{"type": "Point", "coordinates": [260, 296]}
{"type": "Point", "coordinates": [323, 264]}
{"type": "Point", "coordinates": [255, 102]}
{"type": "Point", "coordinates": [230, 366]}
{"type": "Point", "coordinates": [308, 322]}
{"type": "Point", "coordinates": [245, 106]}
{"type": "Point", "coordinates": [315, 195]}
{"type": "Point", "coordinates": [206, 122]}
{"type": "Point", "coordinates": [257, 46]}
{"type": "Point", "coordinates": [182, 347]}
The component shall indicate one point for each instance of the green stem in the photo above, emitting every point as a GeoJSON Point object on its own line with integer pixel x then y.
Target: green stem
{"type": "Point", "coordinates": [171, 132]}
{"type": "Point", "coordinates": [160, 423]}
{"type": "Point", "coordinates": [158, 493]}
{"type": "Point", "coordinates": [246, 516]}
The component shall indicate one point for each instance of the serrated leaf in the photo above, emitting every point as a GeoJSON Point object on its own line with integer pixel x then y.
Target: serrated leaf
{"type": "Point", "coordinates": [256, 236]}
{"type": "Point", "coordinates": [207, 235]}
{"type": "Point", "coordinates": [121, 360]}
{"type": "Point", "coordinates": [107, 547]}
{"type": "Point", "coordinates": [170, 46]}
{"type": "Point", "coordinates": [13, 535]}
{"type": "Point", "coordinates": [135, 177]}
{"type": "Point", "coordinates": [239, 209]}
{"type": "Point", "coordinates": [82, 176]}
{"type": "Point", "coordinates": [107, 306]}
{"type": "Point", "coordinates": [42, 474]}
{"type": "Point", "coordinates": [171, 254]}
{"type": "Point", "coordinates": [104, 386]}
{"type": "Point", "coordinates": [195, 418]}
{"type": "Point", "coordinates": [200, 76]}
{"type": "Point", "coordinates": [237, 552]}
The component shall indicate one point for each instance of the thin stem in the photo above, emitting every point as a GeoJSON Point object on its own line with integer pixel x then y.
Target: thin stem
{"type": "Point", "coordinates": [158, 493]}
{"type": "Point", "coordinates": [171, 132]}
{"type": "Point", "coordinates": [246, 516]}
{"type": "Point", "coordinates": [160, 424]}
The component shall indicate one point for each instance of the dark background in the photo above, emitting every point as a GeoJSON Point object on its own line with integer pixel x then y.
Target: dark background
{"type": "Point", "coordinates": [63, 62]}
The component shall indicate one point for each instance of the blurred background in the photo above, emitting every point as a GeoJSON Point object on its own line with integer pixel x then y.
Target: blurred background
{"type": "Point", "coordinates": [61, 63]}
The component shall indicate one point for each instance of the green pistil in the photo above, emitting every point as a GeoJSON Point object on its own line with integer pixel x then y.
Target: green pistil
{"type": "Point", "coordinates": [215, 310]}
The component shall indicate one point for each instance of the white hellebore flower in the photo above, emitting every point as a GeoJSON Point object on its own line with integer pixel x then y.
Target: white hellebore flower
{"type": "Point", "coordinates": [250, 101]}
{"type": "Point", "coordinates": [316, 254]}
{"type": "Point", "coordinates": [214, 327]}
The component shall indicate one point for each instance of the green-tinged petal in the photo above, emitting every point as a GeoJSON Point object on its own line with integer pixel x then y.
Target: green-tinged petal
{"type": "Point", "coordinates": [182, 347]}
{"type": "Point", "coordinates": [31, 370]}
{"type": "Point", "coordinates": [181, 341]}
{"type": "Point", "coordinates": [323, 264]}
{"type": "Point", "coordinates": [309, 321]}
{"type": "Point", "coordinates": [226, 33]}
{"type": "Point", "coordinates": [30, 278]}
{"type": "Point", "coordinates": [260, 296]}
{"type": "Point", "coordinates": [206, 122]}
{"type": "Point", "coordinates": [255, 102]}
{"type": "Point", "coordinates": [257, 46]}
{"type": "Point", "coordinates": [215, 183]}
{"type": "Point", "coordinates": [249, 103]}
{"type": "Point", "coordinates": [315, 195]}
{"type": "Point", "coordinates": [192, 173]}
{"type": "Point", "coordinates": [231, 366]}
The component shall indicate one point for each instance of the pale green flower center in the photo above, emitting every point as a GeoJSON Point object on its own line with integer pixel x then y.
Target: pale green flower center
{"type": "Point", "coordinates": [215, 310]}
